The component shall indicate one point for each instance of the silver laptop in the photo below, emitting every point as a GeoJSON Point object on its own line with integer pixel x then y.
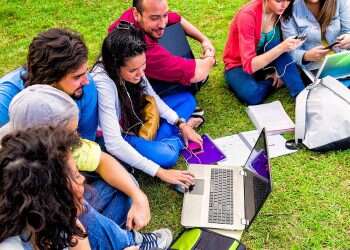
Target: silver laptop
{"type": "Point", "coordinates": [336, 65]}
{"type": "Point", "coordinates": [229, 197]}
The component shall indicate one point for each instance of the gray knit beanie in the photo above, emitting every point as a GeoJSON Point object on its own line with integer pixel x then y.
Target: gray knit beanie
{"type": "Point", "coordinates": [40, 105]}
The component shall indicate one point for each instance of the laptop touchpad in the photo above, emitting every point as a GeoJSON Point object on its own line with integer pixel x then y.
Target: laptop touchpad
{"type": "Point", "coordinates": [198, 187]}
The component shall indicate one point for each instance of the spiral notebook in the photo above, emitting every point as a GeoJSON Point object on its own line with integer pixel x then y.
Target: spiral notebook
{"type": "Point", "coordinates": [210, 154]}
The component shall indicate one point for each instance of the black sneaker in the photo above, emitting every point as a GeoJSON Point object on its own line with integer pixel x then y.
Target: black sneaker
{"type": "Point", "coordinates": [159, 239]}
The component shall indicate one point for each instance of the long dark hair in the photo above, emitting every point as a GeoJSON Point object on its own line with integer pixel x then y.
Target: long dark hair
{"type": "Point", "coordinates": [124, 42]}
{"type": "Point", "coordinates": [288, 12]}
{"type": "Point", "coordinates": [35, 187]}
{"type": "Point", "coordinates": [53, 54]}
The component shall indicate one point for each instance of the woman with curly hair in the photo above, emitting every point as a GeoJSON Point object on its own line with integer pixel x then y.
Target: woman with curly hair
{"type": "Point", "coordinates": [41, 191]}
{"type": "Point", "coordinates": [38, 106]}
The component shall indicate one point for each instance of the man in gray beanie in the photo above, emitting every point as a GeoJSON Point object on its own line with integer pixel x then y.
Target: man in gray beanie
{"type": "Point", "coordinates": [41, 106]}
{"type": "Point", "coordinates": [44, 105]}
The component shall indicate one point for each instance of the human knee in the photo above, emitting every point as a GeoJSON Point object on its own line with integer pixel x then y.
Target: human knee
{"type": "Point", "coordinates": [168, 158]}
{"type": "Point", "coordinates": [188, 102]}
{"type": "Point", "coordinates": [252, 98]}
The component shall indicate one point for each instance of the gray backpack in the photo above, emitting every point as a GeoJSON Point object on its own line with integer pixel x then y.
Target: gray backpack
{"type": "Point", "coordinates": [322, 116]}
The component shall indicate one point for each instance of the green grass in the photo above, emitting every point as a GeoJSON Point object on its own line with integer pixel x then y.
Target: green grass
{"type": "Point", "coordinates": [309, 207]}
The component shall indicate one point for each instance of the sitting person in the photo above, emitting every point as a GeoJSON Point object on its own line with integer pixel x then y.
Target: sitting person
{"type": "Point", "coordinates": [169, 71]}
{"type": "Point", "coordinates": [45, 105]}
{"type": "Point", "coordinates": [123, 92]}
{"type": "Point", "coordinates": [52, 55]}
{"type": "Point", "coordinates": [323, 23]}
{"type": "Point", "coordinates": [256, 61]}
{"type": "Point", "coordinates": [40, 191]}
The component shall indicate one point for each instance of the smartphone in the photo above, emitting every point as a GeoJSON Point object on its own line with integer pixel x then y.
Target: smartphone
{"type": "Point", "coordinates": [331, 45]}
{"type": "Point", "coordinates": [194, 147]}
{"type": "Point", "coordinates": [300, 37]}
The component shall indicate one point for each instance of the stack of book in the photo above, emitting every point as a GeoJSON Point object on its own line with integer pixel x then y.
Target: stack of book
{"type": "Point", "coordinates": [272, 117]}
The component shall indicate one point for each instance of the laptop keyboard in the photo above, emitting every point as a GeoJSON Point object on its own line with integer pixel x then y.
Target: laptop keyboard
{"type": "Point", "coordinates": [221, 196]}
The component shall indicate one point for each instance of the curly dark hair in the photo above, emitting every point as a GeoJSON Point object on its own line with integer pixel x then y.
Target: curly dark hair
{"type": "Point", "coordinates": [53, 54]}
{"type": "Point", "coordinates": [35, 187]}
{"type": "Point", "coordinates": [120, 45]}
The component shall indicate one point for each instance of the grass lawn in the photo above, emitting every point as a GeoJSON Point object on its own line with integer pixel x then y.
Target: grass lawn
{"type": "Point", "coordinates": [309, 207]}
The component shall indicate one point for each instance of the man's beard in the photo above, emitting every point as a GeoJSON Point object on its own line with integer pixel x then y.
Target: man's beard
{"type": "Point", "coordinates": [78, 96]}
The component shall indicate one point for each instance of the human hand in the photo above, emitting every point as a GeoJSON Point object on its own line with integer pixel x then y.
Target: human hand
{"type": "Point", "coordinates": [343, 41]}
{"type": "Point", "coordinates": [188, 133]}
{"type": "Point", "coordinates": [276, 81]}
{"type": "Point", "coordinates": [208, 49]}
{"type": "Point", "coordinates": [139, 213]}
{"type": "Point", "coordinates": [173, 176]}
{"type": "Point", "coordinates": [315, 54]}
{"type": "Point", "coordinates": [291, 43]}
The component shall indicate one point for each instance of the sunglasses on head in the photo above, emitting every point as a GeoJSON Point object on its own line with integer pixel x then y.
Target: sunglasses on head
{"type": "Point", "coordinates": [124, 25]}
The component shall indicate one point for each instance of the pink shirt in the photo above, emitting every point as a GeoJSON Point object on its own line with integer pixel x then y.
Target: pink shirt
{"type": "Point", "coordinates": [161, 64]}
{"type": "Point", "coordinates": [244, 36]}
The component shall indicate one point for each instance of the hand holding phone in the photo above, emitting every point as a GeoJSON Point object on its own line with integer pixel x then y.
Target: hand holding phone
{"type": "Point", "coordinates": [301, 37]}
{"type": "Point", "coordinates": [331, 45]}
{"type": "Point", "coordinates": [194, 147]}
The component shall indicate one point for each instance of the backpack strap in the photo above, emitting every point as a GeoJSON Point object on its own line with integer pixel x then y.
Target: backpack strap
{"type": "Point", "coordinates": [300, 114]}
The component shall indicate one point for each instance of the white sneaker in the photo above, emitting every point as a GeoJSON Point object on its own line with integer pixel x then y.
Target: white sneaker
{"type": "Point", "coordinates": [158, 239]}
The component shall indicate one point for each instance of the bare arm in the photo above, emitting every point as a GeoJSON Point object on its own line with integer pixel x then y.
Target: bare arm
{"type": "Point", "coordinates": [266, 58]}
{"type": "Point", "coordinates": [115, 175]}
{"type": "Point", "coordinates": [203, 67]}
{"type": "Point", "coordinates": [192, 31]}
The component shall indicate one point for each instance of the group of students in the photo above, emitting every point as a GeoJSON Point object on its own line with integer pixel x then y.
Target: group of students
{"type": "Point", "coordinates": [256, 57]}
{"type": "Point", "coordinates": [135, 109]}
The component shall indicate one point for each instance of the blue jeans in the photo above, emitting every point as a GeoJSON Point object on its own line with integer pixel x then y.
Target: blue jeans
{"type": "Point", "coordinates": [103, 233]}
{"type": "Point", "coordinates": [108, 200]}
{"type": "Point", "coordinates": [252, 90]}
{"type": "Point", "coordinates": [165, 148]}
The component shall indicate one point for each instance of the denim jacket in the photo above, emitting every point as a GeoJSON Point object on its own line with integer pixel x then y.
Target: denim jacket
{"type": "Point", "coordinates": [303, 21]}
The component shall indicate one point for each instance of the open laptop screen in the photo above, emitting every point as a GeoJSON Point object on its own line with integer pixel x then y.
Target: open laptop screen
{"type": "Point", "coordinates": [258, 161]}
{"type": "Point", "coordinates": [257, 182]}
{"type": "Point", "coordinates": [337, 65]}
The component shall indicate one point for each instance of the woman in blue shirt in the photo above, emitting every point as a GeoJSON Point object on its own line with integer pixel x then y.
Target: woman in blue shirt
{"type": "Point", "coordinates": [323, 22]}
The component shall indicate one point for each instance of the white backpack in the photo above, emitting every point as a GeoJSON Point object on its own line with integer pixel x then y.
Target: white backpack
{"type": "Point", "coordinates": [322, 116]}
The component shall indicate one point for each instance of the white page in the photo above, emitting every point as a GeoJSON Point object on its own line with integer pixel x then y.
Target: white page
{"type": "Point", "coordinates": [237, 151]}
{"type": "Point", "coordinates": [271, 116]}
{"type": "Point", "coordinates": [276, 143]}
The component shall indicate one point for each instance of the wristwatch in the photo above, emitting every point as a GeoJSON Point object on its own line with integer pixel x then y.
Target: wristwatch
{"type": "Point", "coordinates": [179, 121]}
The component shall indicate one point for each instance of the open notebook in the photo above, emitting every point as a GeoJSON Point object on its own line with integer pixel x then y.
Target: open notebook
{"type": "Point", "coordinates": [237, 147]}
